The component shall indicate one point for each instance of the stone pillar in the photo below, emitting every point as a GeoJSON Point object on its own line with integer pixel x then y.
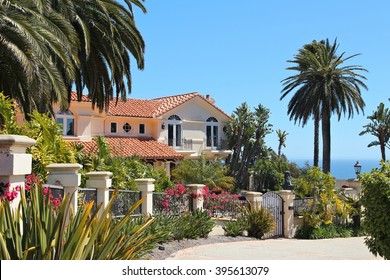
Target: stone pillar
{"type": "Point", "coordinates": [251, 181]}
{"type": "Point", "coordinates": [15, 164]}
{"type": "Point", "coordinates": [146, 186]}
{"type": "Point", "coordinates": [253, 197]}
{"type": "Point", "coordinates": [66, 175]}
{"type": "Point", "coordinates": [102, 182]}
{"type": "Point", "coordinates": [197, 196]}
{"type": "Point", "coordinates": [288, 216]}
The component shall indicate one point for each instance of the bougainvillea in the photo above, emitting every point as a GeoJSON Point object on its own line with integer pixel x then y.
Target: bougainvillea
{"type": "Point", "coordinates": [31, 181]}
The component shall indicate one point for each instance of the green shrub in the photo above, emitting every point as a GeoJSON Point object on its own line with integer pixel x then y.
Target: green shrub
{"type": "Point", "coordinates": [197, 224]}
{"type": "Point", "coordinates": [259, 220]}
{"type": "Point", "coordinates": [323, 232]}
{"type": "Point", "coordinates": [376, 205]}
{"type": "Point", "coordinates": [235, 228]}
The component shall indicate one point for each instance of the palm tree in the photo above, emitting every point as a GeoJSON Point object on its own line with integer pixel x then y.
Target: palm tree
{"type": "Point", "coordinates": [282, 136]}
{"type": "Point", "coordinates": [324, 86]}
{"type": "Point", "coordinates": [108, 35]}
{"type": "Point", "coordinates": [48, 46]}
{"type": "Point", "coordinates": [380, 128]}
{"type": "Point", "coordinates": [37, 50]}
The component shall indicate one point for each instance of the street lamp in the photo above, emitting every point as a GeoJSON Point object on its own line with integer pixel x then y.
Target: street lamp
{"type": "Point", "coordinates": [358, 168]}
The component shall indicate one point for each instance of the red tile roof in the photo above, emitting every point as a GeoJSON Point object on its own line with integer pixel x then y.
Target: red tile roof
{"type": "Point", "coordinates": [148, 108]}
{"type": "Point", "coordinates": [145, 148]}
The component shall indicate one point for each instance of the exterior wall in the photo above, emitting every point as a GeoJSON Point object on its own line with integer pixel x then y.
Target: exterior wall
{"type": "Point", "coordinates": [194, 115]}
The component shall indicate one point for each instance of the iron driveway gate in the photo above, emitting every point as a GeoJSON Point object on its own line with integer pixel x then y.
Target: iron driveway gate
{"type": "Point", "coordinates": [274, 203]}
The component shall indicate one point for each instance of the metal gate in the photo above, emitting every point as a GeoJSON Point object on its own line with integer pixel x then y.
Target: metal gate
{"type": "Point", "coordinates": [274, 203]}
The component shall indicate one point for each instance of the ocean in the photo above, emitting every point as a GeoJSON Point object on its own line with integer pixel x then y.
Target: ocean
{"type": "Point", "coordinates": [343, 168]}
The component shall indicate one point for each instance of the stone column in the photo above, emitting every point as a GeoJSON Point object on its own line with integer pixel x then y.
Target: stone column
{"type": "Point", "coordinates": [197, 196]}
{"type": "Point", "coordinates": [146, 186]}
{"type": "Point", "coordinates": [253, 197]}
{"type": "Point", "coordinates": [288, 216]}
{"type": "Point", "coordinates": [66, 175]}
{"type": "Point", "coordinates": [102, 182]}
{"type": "Point", "coordinates": [15, 164]}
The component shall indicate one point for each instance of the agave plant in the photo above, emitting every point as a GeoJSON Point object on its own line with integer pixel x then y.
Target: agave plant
{"type": "Point", "coordinates": [40, 230]}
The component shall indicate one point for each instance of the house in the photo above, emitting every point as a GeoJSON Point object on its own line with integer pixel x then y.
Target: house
{"type": "Point", "coordinates": [162, 130]}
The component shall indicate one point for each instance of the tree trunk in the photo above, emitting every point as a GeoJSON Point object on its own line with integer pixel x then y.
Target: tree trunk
{"type": "Point", "coordinates": [326, 141]}
{"type": "Point", "coordinates": [316, 140]}
{"type": "Point", "coordinates": [383, 152]}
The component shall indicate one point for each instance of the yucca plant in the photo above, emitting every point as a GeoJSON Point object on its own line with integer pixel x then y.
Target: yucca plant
{"type": "Point", "coordinates": [259, 220]}
{"type": "Point", "coordinates": [39, 230]}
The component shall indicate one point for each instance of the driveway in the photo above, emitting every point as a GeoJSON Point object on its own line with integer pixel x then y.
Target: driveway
{"type": "Point", "coordinates": [281, 249]}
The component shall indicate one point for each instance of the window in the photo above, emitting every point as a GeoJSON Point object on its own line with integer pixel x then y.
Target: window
{"type": "Point", "coordinates": [212, 132]}
{"type": "Point", "coordinates": [142, 128]}
{"type": "Point", "coordinates": [127, 127]}
{"type": "Point", "coordinates": [113, 127]}
{"type": "Point", "coordinates": [66, 120]}
{"type": "Point", "coordinates": [174, 131]}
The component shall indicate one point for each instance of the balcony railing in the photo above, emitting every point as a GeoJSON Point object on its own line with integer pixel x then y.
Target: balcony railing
{"type": "Point", "coordinates": [180, 144]}
{"type": "Point", "coordinates": [221, 145]}
{"type": "Point", "coordinates": [187, 144]}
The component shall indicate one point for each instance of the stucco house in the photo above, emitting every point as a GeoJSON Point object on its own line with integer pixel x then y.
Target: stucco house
{"type": "Point", "coordinates": [161, 130]}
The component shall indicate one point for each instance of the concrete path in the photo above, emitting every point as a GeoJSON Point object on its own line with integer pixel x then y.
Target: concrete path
{"type": "Point", "coordinates": [281, 249]}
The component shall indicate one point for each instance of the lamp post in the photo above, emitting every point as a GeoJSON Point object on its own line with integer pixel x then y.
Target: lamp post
{"type": "Point", "coordinates": [358, 168]}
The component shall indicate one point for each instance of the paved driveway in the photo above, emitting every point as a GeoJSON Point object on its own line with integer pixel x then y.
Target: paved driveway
{"type": "Point", "coordinates": [281, 249]}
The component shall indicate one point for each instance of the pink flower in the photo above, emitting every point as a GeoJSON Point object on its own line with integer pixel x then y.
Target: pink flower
{"type": "Point", "coordinates": [180, 189]}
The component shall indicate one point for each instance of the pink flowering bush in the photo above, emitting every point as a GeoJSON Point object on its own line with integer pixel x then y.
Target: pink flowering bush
{"type": "Point", "coordinates": [31, 181]}
{"type": "Point", "coordinates": [220, 203]}
{"type": "Point", "coordinates": [8, 194]}
{"type": "Point", "coordinates": [175, 200]}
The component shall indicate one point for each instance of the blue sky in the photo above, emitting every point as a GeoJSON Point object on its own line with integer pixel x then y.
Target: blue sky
{"type": "Point", "coordinates": [237, 52]}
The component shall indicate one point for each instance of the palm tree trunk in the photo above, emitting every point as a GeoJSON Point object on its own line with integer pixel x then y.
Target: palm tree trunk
{"type": "Point", "coordinates": [325, 141]}
{"type": "Point", "coordinates": [316, 140]}
{"type": "Point", "coordinates": [383, 152]}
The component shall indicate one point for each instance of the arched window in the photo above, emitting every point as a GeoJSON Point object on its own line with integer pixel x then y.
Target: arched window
{"type": "Point", "coordinates": [174, 118]}
{"type": "Point", "coordinates": [212, 132]}
{"type": "Point", "coordinates": [66, 120]}
{"type": "Point", "coordinates": [174, 131]}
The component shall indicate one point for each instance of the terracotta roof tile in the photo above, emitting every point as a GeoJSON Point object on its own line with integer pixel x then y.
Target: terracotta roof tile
{"type": "Point", "coordinates": [148, 108]}
{"type": "Point", "coordinates": [145, 148]}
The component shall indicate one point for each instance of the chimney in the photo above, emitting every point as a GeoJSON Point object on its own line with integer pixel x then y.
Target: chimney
{"type": "Point", "coordinates": [209, 99]}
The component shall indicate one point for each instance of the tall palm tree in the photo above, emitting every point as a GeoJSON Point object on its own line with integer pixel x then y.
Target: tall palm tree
{"type": "Point", "coordinates": [282, 137]}
{"type": "Point", "coordinates": [380, 128]}
{"type": "Point", "coordinates": [324, 86]}
{"type": "Point", "coordinates": [108, 35]}
{"type": "Point", "coordinates": [38, 49]}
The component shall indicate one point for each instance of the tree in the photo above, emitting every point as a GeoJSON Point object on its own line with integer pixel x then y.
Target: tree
{"type": "Point", "coordinates": [324, 86]}
{"type": "Point", "coordinates": [38, 50]}
{"type": "Point", "coordinates": [282, 137]}
{"type": "Point", "coordinates": [376, 202]}
{"type": "Point", "coordinates": [108, 35]}
{"type": "Point", "coordinates": [49, 46]}
{"type": "Point", "coordinates": [200, 171]}
{"type": "Point", "coordinates": [245, 134]}
{"type": "Point", "coordinates": [380, 128]}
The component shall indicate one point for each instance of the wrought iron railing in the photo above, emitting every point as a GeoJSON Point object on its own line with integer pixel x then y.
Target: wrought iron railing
{"type": "Point", "coordinates": [123, 202]}
{"type": "Point", "coordinates": [171, 205]}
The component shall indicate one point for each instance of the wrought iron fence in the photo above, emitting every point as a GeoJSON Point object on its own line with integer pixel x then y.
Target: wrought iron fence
{"type": "Point", "coordinates": [301, 205]}
{"type": "Point", "coordinates": [224, 207]}
{"type": "Point", "coordinates": [123, 202]}
{"type": "Point", "coordinates": [86, 195]}
{"type": "Point", "coordinates": [171, 205]}
{"type": "Point", "coordinates": [55, 191]}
